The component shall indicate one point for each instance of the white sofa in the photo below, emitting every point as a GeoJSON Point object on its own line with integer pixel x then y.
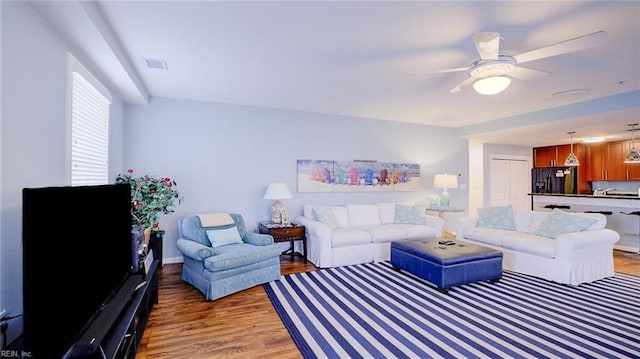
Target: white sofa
{"type": "Point", "coordinates": [570, 258]}
{"type": "Point", "coordinates": [362, 232]}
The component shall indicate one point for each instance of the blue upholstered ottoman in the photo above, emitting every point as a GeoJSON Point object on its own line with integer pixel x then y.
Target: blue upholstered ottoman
{"type": "Point", "coordinates": [447, 265]}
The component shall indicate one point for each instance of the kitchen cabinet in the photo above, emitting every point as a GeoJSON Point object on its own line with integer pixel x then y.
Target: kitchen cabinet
{"type": "Point", "coordinates": [545, 156]}
{"type": "Point", "coordinates": [595, 161]}
{"type": "Point", "coordinates": [605, 162]}
{"type": "Point", "coordinates": [554, 156]}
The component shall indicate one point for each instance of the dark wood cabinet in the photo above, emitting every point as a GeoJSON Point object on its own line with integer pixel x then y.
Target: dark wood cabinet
{"type": "Point", "coordinates": [545, 156]}
{"type": "Point", "coordinates": [155, 244]}
{"type": "Point", "coordinates": [290, 233]}
{"type": "Point", "coordinates": [615, 169]}
{"type": "Point", "coordinates": [554, 156]}
{"type": "Point", "coordinates": [595, 161]}
{"type": "Point", "coordinates": [123, 339]}
{"type": "Point", "coordinates": [605, 162]}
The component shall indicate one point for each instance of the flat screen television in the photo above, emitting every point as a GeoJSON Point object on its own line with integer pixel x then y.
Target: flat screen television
{"type": "Point", "coordinates": [76, 240]}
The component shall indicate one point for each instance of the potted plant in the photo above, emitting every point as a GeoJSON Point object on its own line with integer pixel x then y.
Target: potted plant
{"type": "Point", "coordinates": [151, 196]}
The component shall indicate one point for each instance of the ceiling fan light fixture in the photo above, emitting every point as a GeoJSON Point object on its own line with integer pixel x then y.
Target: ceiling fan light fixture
{"type": "Point", "coordinates": [491, 85]}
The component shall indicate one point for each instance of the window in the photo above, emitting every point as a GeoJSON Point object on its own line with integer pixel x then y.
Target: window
{"type": "Point", "coordinates": [89, 127]}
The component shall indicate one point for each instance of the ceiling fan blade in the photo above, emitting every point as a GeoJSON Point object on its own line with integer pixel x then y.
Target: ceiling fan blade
{"type": "Point", "coordinates": [464, 83]}
{"type": "Point", "coordinates": [452, 70]}
{"type": "Point", "coordinates": [488, 44]}
{"type": "Point", "coordinates": [524, 73]}
{"type": "Point", "coordinates": [577, 44]}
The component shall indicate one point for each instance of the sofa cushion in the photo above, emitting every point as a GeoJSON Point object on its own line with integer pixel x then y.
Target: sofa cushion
{"type": "Point", "coordinates": [340, 212]}
{"type": "Point", "coordinates": [325, 215]}
{"type": "Point", "coordinates": [491, 236]}
{"type": "Point", "coordinates": [349, 236]}
{"type": "Point", "coordinates": [223, 237]}
{"type": "Point", "coordinates": [529, 243]}
{"type": "Point", "coordinates": [559, 222]}
{"type": "Point", "coordinates": [417, 231]}
{"type": "Point", "coordinates": [386, 233]}
{"type": "Point", "coordinates": [500, 217]}
{"type": "Point", "coordinates": [362, 214]}
{"type": "Point", "coordinates": [409, 214]}
{"type": "Point", "coordinates": [522, 220]}
{"type": "Point", "coordinates": [387, 211]}
{"type": "Point", "coordinates": [239, 255]}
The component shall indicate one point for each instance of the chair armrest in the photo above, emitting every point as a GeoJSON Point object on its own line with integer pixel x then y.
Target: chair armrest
{"type": "Point", "coordinates": [435, 222]}
{"type": "Point", "coordinates": [586, 243]}
{"type": "Point", "coordinates": [258, 239]}
{"type": "Point", "coordinates": [194, 250]}
{"type": "Point", "coordinates": [461, 223]}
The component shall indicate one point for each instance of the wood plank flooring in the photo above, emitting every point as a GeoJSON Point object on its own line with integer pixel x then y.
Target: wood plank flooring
{"type": "Point", "coordinates": [242, 325]}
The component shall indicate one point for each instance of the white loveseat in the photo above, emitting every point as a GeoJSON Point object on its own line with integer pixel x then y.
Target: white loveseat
{"type": "Point", "coordinates": [569, 258]}
{"type": "Point", "coordinates": [361, 233]}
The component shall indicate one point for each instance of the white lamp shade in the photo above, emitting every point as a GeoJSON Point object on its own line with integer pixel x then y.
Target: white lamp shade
{"type": "Point", "coordinates": [492, 85]}
{"type": "Point", "coordinates": [445, 181]}
{"type": "Point", "coordinates": [277, 191]}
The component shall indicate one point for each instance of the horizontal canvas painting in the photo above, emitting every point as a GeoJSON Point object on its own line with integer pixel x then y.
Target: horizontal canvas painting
{"type": "Point", "coordinates": [357, 176]}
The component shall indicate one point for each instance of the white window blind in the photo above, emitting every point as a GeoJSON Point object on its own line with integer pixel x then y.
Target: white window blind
{"type": "Point", "coordinates": [89, 130]}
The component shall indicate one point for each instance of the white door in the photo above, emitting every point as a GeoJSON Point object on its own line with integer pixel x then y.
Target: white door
{"type": "Point", "coordinates": [510, 182]}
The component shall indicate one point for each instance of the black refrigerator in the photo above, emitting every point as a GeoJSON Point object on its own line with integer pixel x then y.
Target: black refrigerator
{"type": "Point", "coordinates": [554, 180]}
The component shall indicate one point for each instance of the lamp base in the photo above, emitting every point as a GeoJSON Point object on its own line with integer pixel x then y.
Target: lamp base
{"type": "Point", "coordinates": [445, 198]}
{"type": "Point", "coordinates": [278, 213]}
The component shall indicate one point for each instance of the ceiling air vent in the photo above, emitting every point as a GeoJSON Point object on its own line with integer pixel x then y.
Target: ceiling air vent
{"type": "Point", "coordinates": [155, 64]}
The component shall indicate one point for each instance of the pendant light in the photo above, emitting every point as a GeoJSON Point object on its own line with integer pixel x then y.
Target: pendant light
{"type": "Point", "coordinates": [633, 156]}
{"type": "Point", "coordinates": [571, 160]}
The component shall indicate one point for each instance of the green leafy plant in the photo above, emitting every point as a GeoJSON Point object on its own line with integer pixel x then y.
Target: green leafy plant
{"type": "Point", "coordinates": [150, 196]}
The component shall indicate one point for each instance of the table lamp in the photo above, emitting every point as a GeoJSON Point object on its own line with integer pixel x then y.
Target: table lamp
{"type": "Point", "coordinates": [445, 181]}
{"type": "Point", "coordinates": [278, 191]}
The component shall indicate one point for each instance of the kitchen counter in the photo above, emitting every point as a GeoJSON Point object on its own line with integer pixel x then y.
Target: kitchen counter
{"type": "Point", "coordinates": [615, 196]}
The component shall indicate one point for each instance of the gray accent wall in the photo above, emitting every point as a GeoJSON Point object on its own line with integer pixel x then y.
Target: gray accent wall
{"type": "Point", "coordinates": [224, 156]}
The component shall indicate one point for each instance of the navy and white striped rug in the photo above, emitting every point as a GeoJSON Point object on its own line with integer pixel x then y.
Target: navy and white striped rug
{"type": "Point", "coordinates": [371, 311]}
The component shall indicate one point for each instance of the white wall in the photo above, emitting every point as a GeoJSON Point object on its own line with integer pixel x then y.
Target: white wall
{"type": "Point", "coordinates": [32, 129]}
{"type": "Point", "coordinates": [223, 157]}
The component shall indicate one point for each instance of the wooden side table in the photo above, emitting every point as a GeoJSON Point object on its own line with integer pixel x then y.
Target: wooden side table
{"type": "Point", "coordinates": [290, 233]}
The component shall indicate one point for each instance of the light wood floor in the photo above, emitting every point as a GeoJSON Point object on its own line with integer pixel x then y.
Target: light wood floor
{"type": "Point", "coordinates": [242, 325]}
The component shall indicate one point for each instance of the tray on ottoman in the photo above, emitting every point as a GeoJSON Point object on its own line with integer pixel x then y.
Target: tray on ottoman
{"type": "Point", "coordinates": [446, 263]}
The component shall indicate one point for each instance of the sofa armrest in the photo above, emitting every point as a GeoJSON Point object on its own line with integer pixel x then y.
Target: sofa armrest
{"type": "Point", "coordinates": [194, 250]}
{"type": "Point", "coordinates": [586, 243]}
{"type": "Point", "coordinates": [314, 228]}
{"type": "Point", "coordinates": [435, 222]}
{"type": "Point", "coordinates": [461, 223]}
{"type": "Point", "coordinates": [258, 239]}
{"type": "Point", "coordinates": [318, 235]}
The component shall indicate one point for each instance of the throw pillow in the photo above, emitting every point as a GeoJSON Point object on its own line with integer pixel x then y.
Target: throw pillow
{"type": "Point", "coordinates": [559, 222]}
{"type": "Point", "coordinates": [325, 215]}
{"type": "Point", "coordinates": [499, 217]}
{"type": "Point", "coordinates": [223, 237]}
{"type": "Point", "coordinates": [409, 214]}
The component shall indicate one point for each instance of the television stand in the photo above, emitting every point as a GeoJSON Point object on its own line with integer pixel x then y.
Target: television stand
{"type": "Point", "coordinates": [123, 339]}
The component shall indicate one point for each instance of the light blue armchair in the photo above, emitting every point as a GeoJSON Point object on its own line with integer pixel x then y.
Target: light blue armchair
{"type": "Point", "coordinates": [221, 257]}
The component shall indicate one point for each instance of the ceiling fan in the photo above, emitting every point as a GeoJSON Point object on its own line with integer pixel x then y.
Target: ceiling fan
{"type": "Point", "coordinates": [490, 74]}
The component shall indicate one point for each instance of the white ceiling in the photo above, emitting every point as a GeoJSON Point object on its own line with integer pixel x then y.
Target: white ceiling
{"type": "Point", "coordinates": [369, 59]}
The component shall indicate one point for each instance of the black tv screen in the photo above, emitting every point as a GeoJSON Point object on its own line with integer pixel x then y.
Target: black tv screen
{"type": "Point", "coordinates": [76, 240]}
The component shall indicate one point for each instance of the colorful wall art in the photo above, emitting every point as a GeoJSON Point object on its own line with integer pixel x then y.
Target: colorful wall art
{"type": "Point", "coordinates": [357, 176]}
